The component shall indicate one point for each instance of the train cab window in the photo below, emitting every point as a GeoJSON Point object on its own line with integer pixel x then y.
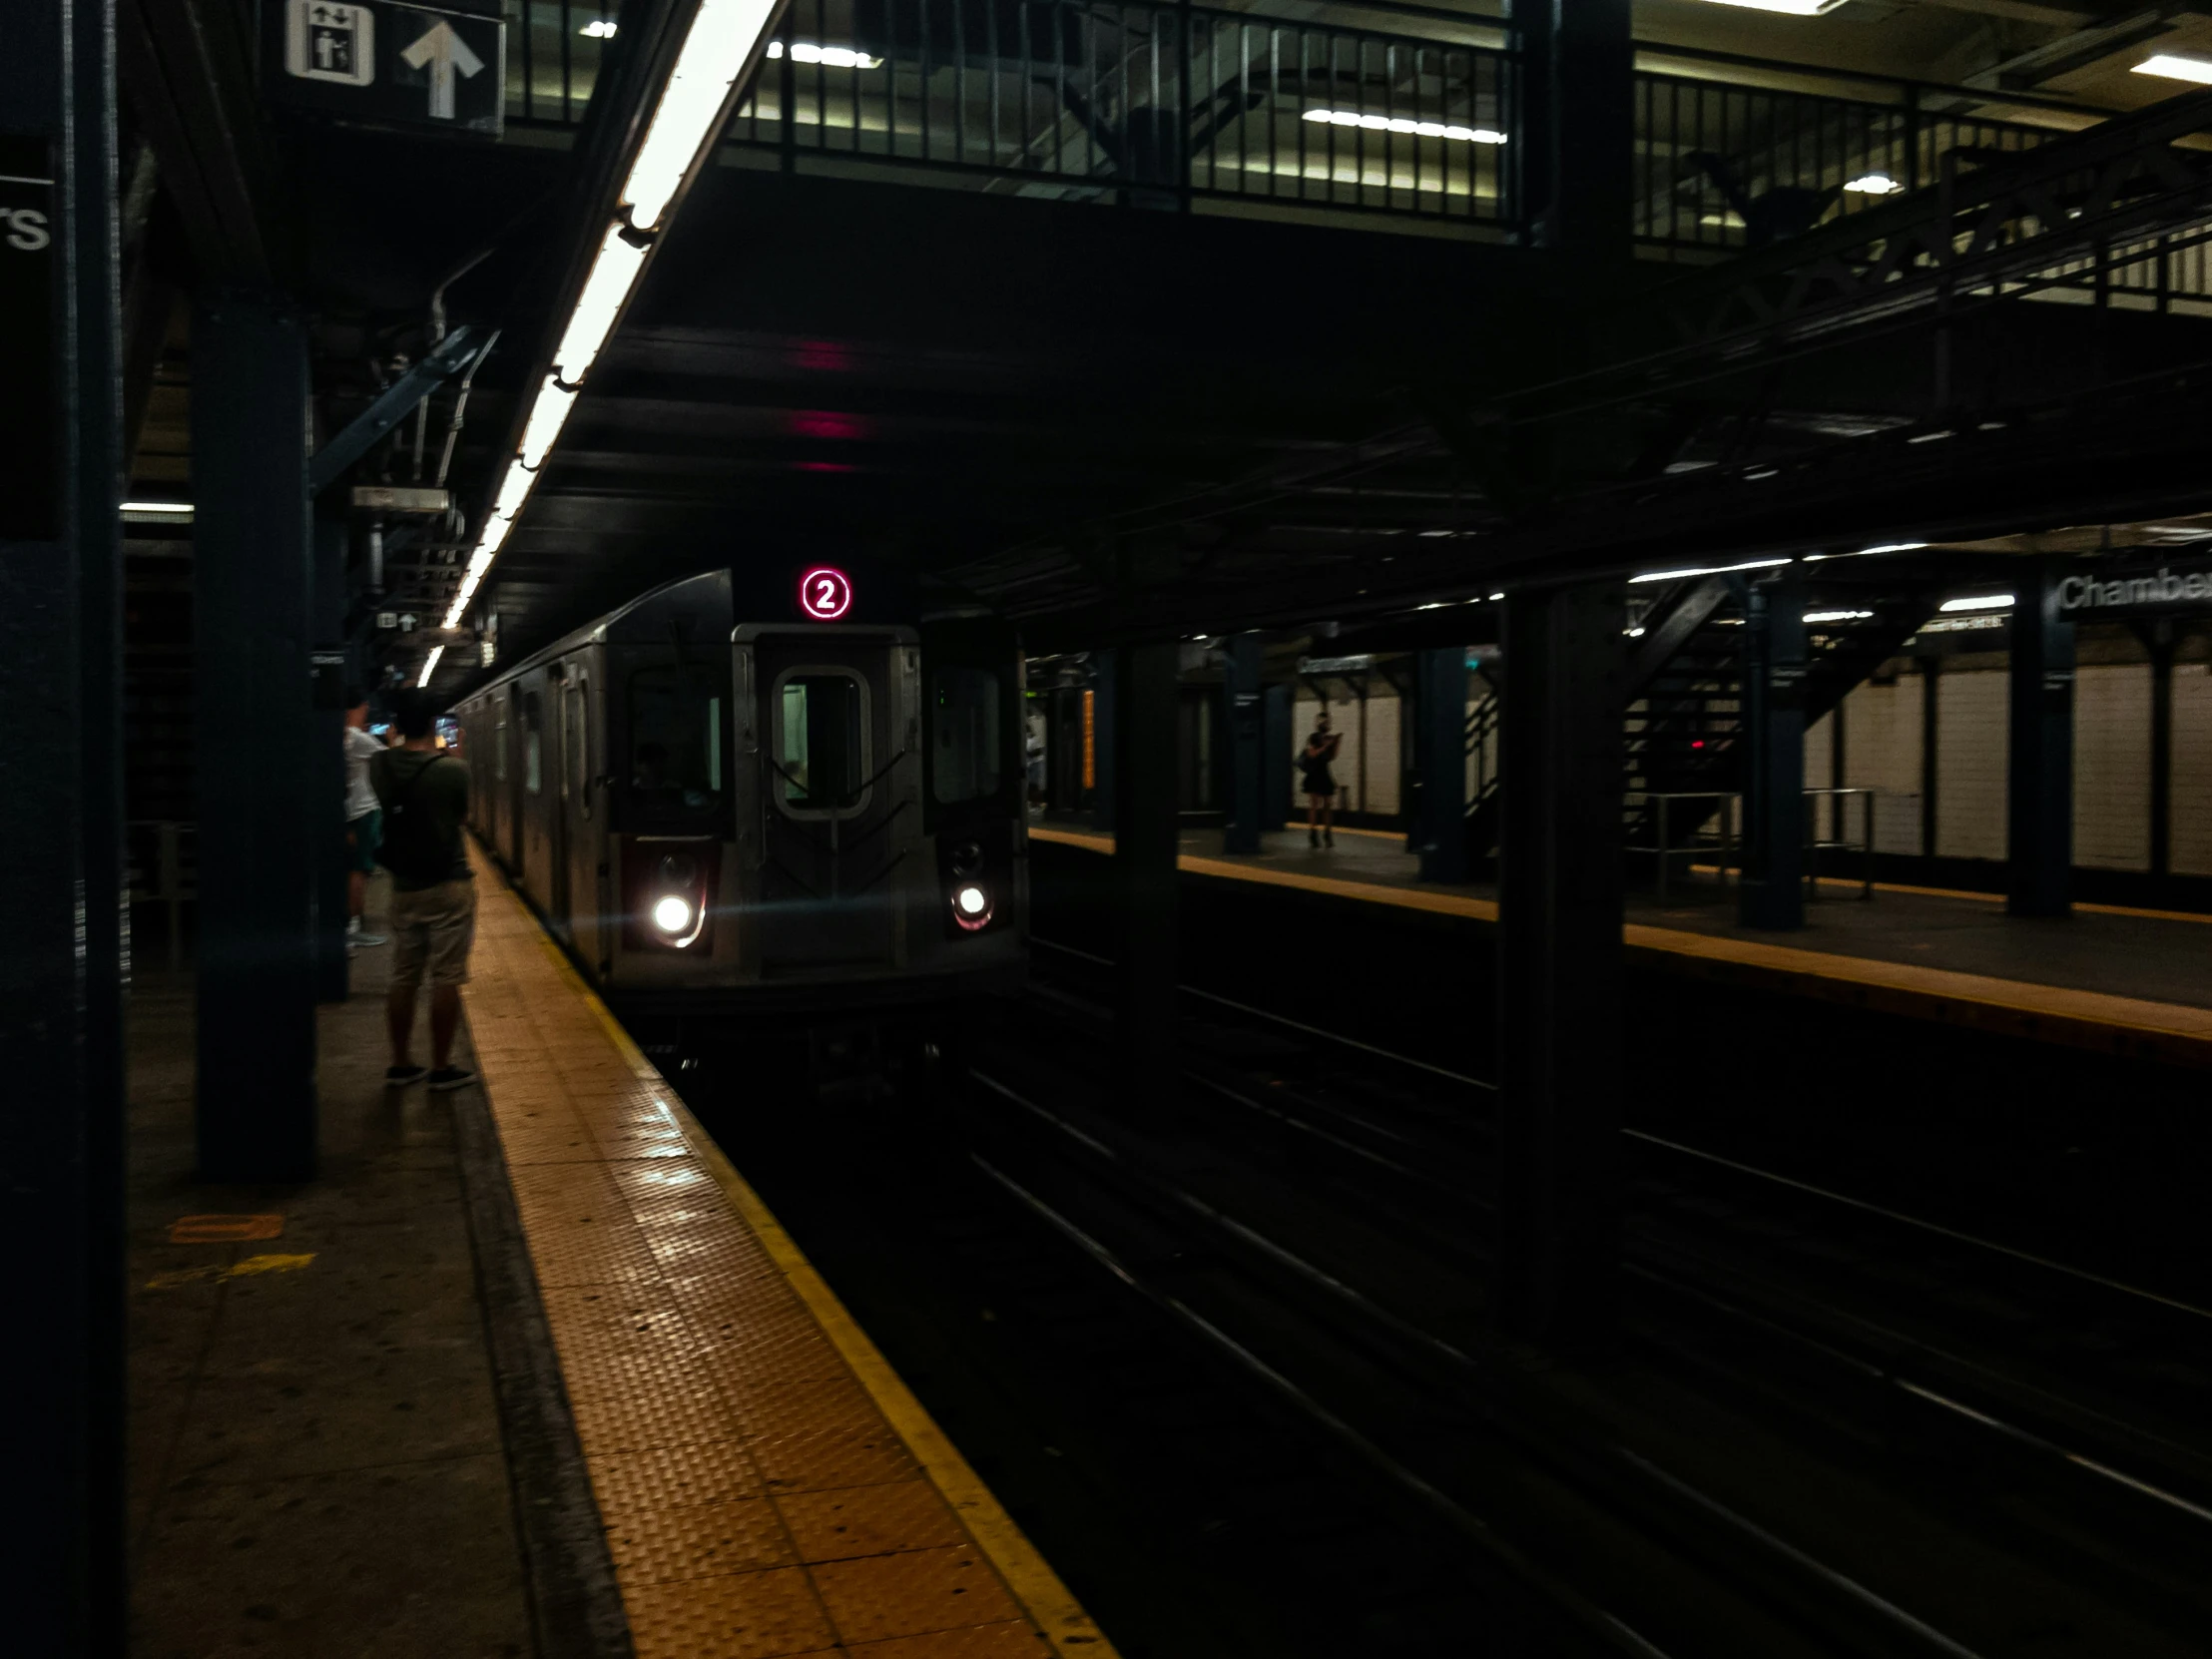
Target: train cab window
{"type": "Point", "coordinates": [965, 752]}
{"type": "Point", "coordinates": [534, 745]}
{"type": "Point", "coordinates": [820, 743]}
{"type": "Point", "coordinates": [676, 738]}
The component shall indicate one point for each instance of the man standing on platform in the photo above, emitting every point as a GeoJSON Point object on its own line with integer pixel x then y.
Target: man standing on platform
{"type": "Point", "coordinates": [364, 820]}
{"type": "Point", "coordinates": [425, 794]}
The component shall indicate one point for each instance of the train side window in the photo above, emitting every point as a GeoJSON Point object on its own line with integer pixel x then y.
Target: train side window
{"type": "Point", "coordinates": [533, 749]}
{"type": "Point", "coordinates": [676, 738]}
{"type": "Point", "coordinates": [819, 752]}
{"type": "Point", "coordinates": [499, 751]}
{"type": "Point", "coordinates": [581, 744]}
{"type": "Point", "coordinates": [965, 752]}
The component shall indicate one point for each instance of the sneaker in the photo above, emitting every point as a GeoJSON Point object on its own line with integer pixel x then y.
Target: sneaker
{"type": "Point", "coordinates": [399, 1077]}
{"type": "Point", "coordinates": [451, 1077]}
{"type": "Point", "coordinates": [361, 942]}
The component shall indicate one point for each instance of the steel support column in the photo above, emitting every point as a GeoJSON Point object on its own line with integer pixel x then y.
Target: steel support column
{"type": "Point", "coordinates": [1246, 735]}
{"type": "Point", "coordinates": [63, 948]}
{"type": "Point", "coordinates": [2040, 773]}
{"type": "Point", "coordinates": [253, 603]}
{"type": "Point", "coordinates": [1146, 822]}
{"type": "Point", "coordinates": [1441, 709]}
{"type": "Point", "coordinates": [1560, 888]}
{"type": "Point", "coordinates": [1577, 78]}
{"type": "Point", "coordinates": [1772, 888]}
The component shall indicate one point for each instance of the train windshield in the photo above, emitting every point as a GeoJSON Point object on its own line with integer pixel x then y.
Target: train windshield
{"type": "Point", "coordinates": [966, 751]}
{"type": "Point", "coordinates": [676, 738]}
{"type": "Point", "coordinates": [821, 741]}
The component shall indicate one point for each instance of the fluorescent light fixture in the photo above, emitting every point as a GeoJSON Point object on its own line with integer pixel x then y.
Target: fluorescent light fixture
{"type": "Point", "coordinates": [1980, 602]}
{"type": "Point", "coordinates": [599, 28]}
{"type": "Point", "coordinates": [1879, 547]}
{"type": "Point", "coordinates": [722, 37]}
{"type": "Point", "coordinates": [1930, 437]}
{"type": "Point", "coordinates": [547, 416]}
{"type": "Point", "coordinates": [2167, 67]}
{"type": "Point", "coordinates": [613, 273]}
{"type": "Point", "coordinates": [1873, 184]}
{"type": "Point", "coordinates": [1495, 596]}
{"type": "Point", "coordinates": [835, 57]}
{"type": "Point", "coordinates": [514, 489]}
{"type": "Point", "coordinates": [429, 666]}
{"type": "Point", "coordinates": [1633, 633]}
{"type": "Point", "coordinates": [1403, 124]}
{"type": "Point", "coordinates": [1707, 570]}
{"type": "Point", "coordinates": [1793, 8]}
{"type": "Point", "coordinates": [157, 512]}
{"type": "Point", "coordinates": [1839, 616]}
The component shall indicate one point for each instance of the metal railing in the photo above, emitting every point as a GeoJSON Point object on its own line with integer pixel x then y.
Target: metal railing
{"type": "Point", "coordinates": [554, 49]}
{"type": "Point", "coordinates": [1148, 104]}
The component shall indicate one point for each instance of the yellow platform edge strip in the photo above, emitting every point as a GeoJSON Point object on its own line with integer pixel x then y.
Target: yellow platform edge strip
{"type": "Point", "coordinates": [2169, 1031]}
{"type": "Point", "coordinates": [1050, 1604]}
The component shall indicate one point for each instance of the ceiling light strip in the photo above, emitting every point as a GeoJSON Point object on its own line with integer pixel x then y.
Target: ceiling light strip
{"type": "Point", "coordinates": [716, 49]}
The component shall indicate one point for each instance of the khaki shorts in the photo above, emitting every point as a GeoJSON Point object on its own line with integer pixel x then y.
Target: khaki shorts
{"type": "Point", "coordinates": [432, 929]}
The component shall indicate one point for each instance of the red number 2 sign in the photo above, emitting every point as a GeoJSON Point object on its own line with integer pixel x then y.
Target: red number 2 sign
{"type": "Point", "coordinates": [824, 594]}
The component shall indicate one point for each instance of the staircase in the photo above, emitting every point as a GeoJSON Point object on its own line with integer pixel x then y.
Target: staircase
{"type": "Point", "coordinates": [1683, 728]}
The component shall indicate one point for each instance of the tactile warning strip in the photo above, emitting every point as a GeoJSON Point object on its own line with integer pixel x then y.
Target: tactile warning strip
{"type": "Point", "coordinates": [768, 1484]}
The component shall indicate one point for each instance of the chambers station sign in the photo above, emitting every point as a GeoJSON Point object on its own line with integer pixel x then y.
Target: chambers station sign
{"type": "Point", "coordinates": [2136, 587]}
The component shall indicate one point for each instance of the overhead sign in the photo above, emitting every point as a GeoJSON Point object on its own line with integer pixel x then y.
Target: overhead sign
{"type": "Point", "coordinates": [399, 498]}
{"type": "Point", "coordinates": [1335, 665]}
{"type": "Point", "coordinates": [825, 593]}
{"type": "Point", "coordinates": [426, 68]}
{"type": "Point", "coordinates": [2136, 587]}
{"type": "Point", "coordinates": [30, 464]}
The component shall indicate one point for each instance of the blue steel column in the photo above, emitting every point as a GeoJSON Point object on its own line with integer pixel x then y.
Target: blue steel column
{"type": "Point", "coordinates": [2039, 777]}
{"type": "Point", "coordinates": [1772, 893]}
{"type": "Point", "coordinates": [257, 808]}
{"type": "Point", "coordinates": [64, 942]}
{"type": "Point", "coordinates": [1247, 737]}
{"type": "Point", "coordinates": [1577, 138]}
{"type": "Point", "coordinates": [1146, 822]}
{"type": "Point", "coordinates": [1560, 1011]}
{"type": "Point", "coordinates": [1441, 709]}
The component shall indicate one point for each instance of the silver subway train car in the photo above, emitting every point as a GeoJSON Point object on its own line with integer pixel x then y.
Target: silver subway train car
{"type": "Point", "coordinates": [748, 801]}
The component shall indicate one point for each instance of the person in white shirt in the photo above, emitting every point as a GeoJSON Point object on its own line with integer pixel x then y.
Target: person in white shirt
{"type": "Point", "coordinates": [365, 818]}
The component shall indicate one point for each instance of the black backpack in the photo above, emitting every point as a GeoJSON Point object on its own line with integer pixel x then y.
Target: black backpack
{"type": "Point", "coordinates": [411, 847]}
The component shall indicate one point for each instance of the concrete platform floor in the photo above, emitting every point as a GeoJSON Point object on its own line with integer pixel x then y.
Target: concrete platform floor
{"type": "Point", "coordinates": [316, 1459]}
{"type": "Point", "coordinates": [2148, 956]}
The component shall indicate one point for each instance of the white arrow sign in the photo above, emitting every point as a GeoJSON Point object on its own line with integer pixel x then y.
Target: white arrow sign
{"type": "Point", "coordinates": [444, 52]}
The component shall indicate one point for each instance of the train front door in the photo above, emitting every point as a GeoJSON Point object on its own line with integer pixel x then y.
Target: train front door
{"type": "Point", "coordinates": [836, 724]}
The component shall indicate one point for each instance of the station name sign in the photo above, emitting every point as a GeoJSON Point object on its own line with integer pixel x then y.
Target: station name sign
{"type": "Point", "coordinates": [30, 414]}
{"type": "Point", "coordinates": [2137, 588]}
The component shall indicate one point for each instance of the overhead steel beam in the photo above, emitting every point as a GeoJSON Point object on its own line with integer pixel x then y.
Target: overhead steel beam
{"type": "Point", "coordinates": [185, 68]}
{"type": "Point", "coordinates": [394, 404]}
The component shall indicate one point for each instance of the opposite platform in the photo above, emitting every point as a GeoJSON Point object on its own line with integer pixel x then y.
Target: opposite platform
{"type": "Point", "coordinates": [768, 1486]}
{"type": "Point", "coordinates": [1949, 958]}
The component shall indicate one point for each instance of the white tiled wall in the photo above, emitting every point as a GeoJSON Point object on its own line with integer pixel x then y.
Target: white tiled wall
{"type": "Point", "coordinates": [1383, 753]}
{"type": "Point", "coordinates": [2111, 759]}
{"type": "Point", "coordinates": [1882, 751]}
{"type": "Point", "coordinates": [2192, 786]}
{"type": "Point", "coordinates": [1970, 729]}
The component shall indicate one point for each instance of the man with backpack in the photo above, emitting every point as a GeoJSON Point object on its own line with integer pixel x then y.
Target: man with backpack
{"type": "Point", "coordinates": [424, 797]}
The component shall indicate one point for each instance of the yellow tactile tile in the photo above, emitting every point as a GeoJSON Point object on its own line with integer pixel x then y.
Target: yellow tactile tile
{"type": "Point", "coordinates": [758, 1499]}
{"type": "Point", "coordinates": [911, 1593]}
{"type": "Point", "coordinates": [748, 1615]}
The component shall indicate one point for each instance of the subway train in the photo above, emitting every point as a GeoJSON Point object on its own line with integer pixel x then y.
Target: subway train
{"type": "Point", "coordinates": [785, 800]}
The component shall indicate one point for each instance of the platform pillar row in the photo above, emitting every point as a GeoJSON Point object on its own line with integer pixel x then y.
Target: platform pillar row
{"type": "Point", "coordinates": [2039, 769]}
{"type": "Point", "coordinates": [1247, 722]}
{"type": "Point", "coordinates": [258, 777]}
{"type": "Point", "coordinates": [1440, 706]}
{"type": "Point", "coordinates": [1560, 1006]}
{"type": "Point", "coordinates": [1772, 893]}
{"type": "Point", "coordinates": [1146, 808]}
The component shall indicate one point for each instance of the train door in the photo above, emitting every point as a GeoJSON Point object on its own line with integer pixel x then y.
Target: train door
{"type": "Point", "coordinates": [838, 736]}
{"type": "Point", "coordinates": [560, 713]}
{"type": "Point", "coordinates": [580, 826]}
{"type": "Point", "coordinates": [534, 866]}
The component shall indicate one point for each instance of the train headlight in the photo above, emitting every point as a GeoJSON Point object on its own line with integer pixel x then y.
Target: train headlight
{"type": "Point", "coordinates": [672, 915]}
{"type": "Point", "coordinates": [971, 907]}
